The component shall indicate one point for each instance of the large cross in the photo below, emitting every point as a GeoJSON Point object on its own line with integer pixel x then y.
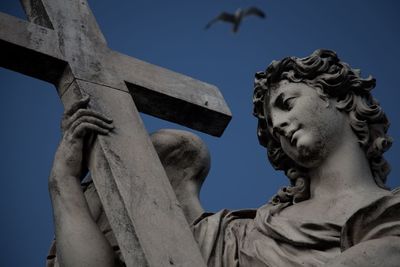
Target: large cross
{"type": "Point", "coordinates": [62, 44]}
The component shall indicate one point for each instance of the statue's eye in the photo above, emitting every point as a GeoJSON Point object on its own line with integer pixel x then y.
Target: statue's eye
{"type": "Point", "coordinates": [288, 103]}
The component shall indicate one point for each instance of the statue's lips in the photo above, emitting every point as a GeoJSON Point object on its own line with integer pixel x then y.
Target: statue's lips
{"type": "Point", "coordinates": [293, 135]}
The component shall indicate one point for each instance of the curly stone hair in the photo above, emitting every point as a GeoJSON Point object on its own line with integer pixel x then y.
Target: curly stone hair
{"type": "Point", "coordinates": [331, 77]}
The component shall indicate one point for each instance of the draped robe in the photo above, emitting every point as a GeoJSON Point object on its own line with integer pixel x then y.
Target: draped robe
{"type": "Point", "coordinates": [265, 238]}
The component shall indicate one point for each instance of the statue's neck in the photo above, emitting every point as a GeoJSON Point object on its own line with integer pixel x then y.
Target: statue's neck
{"type": "Point", "coordinates": [345, 170]}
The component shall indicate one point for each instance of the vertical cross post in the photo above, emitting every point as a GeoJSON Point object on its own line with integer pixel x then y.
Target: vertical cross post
{"type": "Point", "coordinates": [63, 44]}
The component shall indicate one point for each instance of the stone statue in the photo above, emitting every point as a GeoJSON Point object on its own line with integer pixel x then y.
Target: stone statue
{"type": "Point", "coordinates": [320, 125]}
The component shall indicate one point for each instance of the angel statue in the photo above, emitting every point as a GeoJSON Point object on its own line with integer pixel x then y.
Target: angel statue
{"type": "Point", "coordinates": [320, 126]}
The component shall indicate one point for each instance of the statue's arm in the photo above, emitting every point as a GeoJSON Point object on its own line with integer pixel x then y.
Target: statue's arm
{"type": "Point", "coordinates": [378, 252]}
{"type": "Point", "coordinates": [79, 240]}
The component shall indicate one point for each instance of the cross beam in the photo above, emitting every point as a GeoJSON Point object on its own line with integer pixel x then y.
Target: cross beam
{"type": "Point", "coordinates": [62, 44]}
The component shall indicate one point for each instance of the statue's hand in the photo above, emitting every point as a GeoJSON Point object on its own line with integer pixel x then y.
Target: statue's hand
{"type": "Point", "coordinates": [79, 240]}
{"type": "Point", "coordinates": [78, 125]}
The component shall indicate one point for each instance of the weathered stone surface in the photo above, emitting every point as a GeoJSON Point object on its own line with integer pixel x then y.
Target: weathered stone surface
{"type": "Point", "coordinates": [178, 150]}
{"type": "Point", "coordinates": [88, 58]}
{"type": "Point", "coordinates": [64, 45]}
{"type": "Point", "coordinates": [321, 125]}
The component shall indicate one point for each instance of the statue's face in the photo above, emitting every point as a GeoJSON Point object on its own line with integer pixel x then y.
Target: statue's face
{"type": "Point", "coordinates": [307, 126]}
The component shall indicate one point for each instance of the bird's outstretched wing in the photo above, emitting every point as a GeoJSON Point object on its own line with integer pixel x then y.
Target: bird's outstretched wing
{"type": "Point", "coordinates": [253, 11]}
{"type": "Point", "coordinates": [223, 17]}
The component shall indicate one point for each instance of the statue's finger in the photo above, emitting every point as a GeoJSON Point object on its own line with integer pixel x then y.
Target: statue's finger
{"type": "Point", "coordinates": [91, 120]}
{"type": "Point", "coordinates": [82, 103]}
{"type": "Point", "coordinates": [86, 127]}
{"type": "Point", "coordinates": [89, 113]}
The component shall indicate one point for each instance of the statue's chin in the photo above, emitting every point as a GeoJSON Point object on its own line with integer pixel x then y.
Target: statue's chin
{"type": "Point", "coordinates": [309, 154]}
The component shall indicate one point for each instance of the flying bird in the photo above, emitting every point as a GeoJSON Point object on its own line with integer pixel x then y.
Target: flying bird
{"type": "Point", "coordinates": [237, 17]}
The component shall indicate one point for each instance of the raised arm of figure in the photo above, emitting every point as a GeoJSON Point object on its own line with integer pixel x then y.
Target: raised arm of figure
{"type": "Point", "coordinates": [79, 240]}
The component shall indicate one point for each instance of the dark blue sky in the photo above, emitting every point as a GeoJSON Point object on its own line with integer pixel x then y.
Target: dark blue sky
{"type": "Point", "coordinates": [365, 34]}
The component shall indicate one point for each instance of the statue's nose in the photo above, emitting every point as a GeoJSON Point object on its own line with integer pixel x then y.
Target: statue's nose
{"type": "Point", "coordinates": [278, 128]}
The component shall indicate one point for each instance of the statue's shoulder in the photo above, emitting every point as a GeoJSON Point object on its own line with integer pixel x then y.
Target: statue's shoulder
{"type": "Point", "coordinates": [378, 219]}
